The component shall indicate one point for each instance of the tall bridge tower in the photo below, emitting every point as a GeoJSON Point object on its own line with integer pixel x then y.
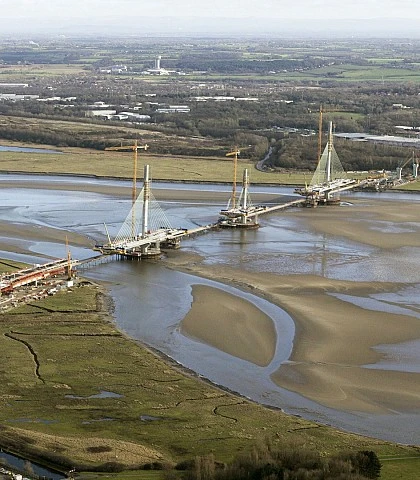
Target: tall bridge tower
{"type": "Point", "coordinates": [329, 178]}
{"type": "Point", "coordinates": [145, 229]}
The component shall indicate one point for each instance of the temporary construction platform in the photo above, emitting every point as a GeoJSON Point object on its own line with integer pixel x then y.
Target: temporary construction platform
{"type": "Point", "coordinates": [238, 212]}
{"type": "Point", "coordinates": [11, 281]}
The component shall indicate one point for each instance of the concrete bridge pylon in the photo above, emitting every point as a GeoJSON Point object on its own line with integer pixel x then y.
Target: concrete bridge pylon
{"type": "Point", "coordinates": [329, 166]}
{"type": "Point", "coordinates": [329, 178]}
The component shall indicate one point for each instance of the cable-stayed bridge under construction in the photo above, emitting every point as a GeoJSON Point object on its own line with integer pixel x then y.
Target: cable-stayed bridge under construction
{"type": "Point", "coordinates": [329, 179]}
{"type": "Point", "coordinates": [146, 229]}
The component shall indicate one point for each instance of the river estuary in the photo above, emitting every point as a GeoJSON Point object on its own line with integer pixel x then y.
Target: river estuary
{"type": "Point", "coordinates": [151, 300]}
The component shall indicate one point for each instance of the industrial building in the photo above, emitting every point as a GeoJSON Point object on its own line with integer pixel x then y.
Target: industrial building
{"type": "Point", "coordinates": [157, 69]}
{"type": "Point", "coordinates": [394, 140]}
{"type": "Point", "coordinates": [174, 109]}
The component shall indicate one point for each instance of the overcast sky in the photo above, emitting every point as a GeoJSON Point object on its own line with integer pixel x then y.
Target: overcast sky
{"type": "Point", "coordinates": [370, 17]}
{"type": "Point", "coordinates": [304, 9]}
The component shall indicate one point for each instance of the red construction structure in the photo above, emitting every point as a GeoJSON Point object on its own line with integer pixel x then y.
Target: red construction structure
{"type": "Point", "coordinates": [11, 281]}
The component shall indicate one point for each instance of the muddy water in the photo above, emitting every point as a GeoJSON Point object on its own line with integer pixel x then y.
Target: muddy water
{"type": "Point", "coordinates": [150, 300]}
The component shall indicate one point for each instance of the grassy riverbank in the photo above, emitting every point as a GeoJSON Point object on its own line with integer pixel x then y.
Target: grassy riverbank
{"type": "Point", "coordinates": [63, 351]}
{"type": "Point", "coordinates": [83, 161]}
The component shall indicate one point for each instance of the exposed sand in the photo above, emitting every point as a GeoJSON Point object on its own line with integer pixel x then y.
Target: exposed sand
{"type": "Point", "coordinates": [216, 317]}
{"type": "Point", "coordinates": [353, 222]}
{"type": "Point", "coordinates": [14, 235]}
{"type": "Point", "coordinates": [333, 339]}
{"type": "Point", "coordinates": [170, 194]}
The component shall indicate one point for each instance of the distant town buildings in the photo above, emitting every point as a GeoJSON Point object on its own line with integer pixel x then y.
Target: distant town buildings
{"type": "Point", "coordinates": [136, 117]}
{"type": "Point", "coordinates": [173, 109]}
{"type": "Point", "coordinates": [104, 114]}
{"type": "Point", "coordinates": [115, 69]}
{"type": "Point", "coordinates": [157, 69]}
{"type": "Point", "coordinates": [14, 85]}
{"type": "Point", "coordinates": [14, 97]}
{"type": "Point", "coordinates": [400, 106]}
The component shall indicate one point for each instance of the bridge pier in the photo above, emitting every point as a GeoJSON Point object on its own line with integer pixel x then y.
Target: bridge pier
{"type": "Point", "coordinates": [172, 243]}
{"type": "Point", "coordinates": [242, 213]}
{"type": "Point", "coordinates": [141, 254]}
{"type": "Point", "coordinates": [311, 200]}
{"type": "Point", "coordinates": [242, 220]}
{"type": "Point", "coordinates": [151, 250]}
{"type": "Point", "coordinates": [332, 198]}
{"type": "Point", "coordinates": [315, 198]}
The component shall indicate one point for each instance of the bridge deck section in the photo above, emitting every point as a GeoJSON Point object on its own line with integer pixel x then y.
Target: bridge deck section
{"type": "Point", "coordinates": [261, 210]}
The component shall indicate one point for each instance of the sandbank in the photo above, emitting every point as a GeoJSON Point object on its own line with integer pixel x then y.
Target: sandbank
{"type": "Point", "coordinates": [334, 339]}
{"type": "Point", "coordinates": [231, 324]}
{"type": "Point", "coordinates": [15, 236]}
{"type": "Point", "coordinates": [125, 190]}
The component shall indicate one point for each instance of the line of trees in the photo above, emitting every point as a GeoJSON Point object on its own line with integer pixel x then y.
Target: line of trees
{"type": "Point", "coordinates": [266, 463]}
{"type": "Point", "coordinates": [300, 153]}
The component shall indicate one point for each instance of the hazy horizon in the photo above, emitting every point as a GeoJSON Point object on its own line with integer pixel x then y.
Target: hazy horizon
{"type": "Point", "coordinates": [385, 18]}
{"type": "Point", "coordinates": [214, 26]}
{"type": "Point", "coordinates": [281, 9]}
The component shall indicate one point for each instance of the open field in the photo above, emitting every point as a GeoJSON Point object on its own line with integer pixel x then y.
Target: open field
{"type": "Point", "coordinates": [79, 161]}
{"type": "Point", "coordinates": [339, 73]}
{"type": "Point", "coordinates": [82, 161]}
{"type": "Point", "coordinates": [369, 72]}
{"type": "Point", "coordinates": [120, 165]}
{"type": "Point", "coordinates": [64, 350]}
{"type": "Point", "coordinates": [78, 128]}
{"type": "Point", "coordinates": [23, 71]}
{"type": "Point", "coordinates": [410, 187]}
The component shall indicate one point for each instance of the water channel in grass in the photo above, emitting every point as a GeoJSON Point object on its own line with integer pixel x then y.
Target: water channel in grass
{"type": "Point", "coordinates": [15, 463]}
{"type": "Point", "coordinates": [7, 148]}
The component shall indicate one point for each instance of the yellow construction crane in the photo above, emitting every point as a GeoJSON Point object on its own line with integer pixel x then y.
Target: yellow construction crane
{"type": "Point", "coordinates": [134, 148]}
{"type": "Point", "coordinates": [323, 111]}
{"type": "Point", "coordinates": [235, 154]}
{"type": "Point", "coordinates": [320, 133]}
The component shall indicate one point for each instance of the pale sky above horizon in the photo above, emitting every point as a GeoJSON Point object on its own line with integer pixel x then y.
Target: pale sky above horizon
{"type": "Point", "coordinates": [44, 10]}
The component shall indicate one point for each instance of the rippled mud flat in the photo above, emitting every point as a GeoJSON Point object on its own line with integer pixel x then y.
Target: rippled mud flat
{"type": "Point", "coordinates": [365, 240]}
